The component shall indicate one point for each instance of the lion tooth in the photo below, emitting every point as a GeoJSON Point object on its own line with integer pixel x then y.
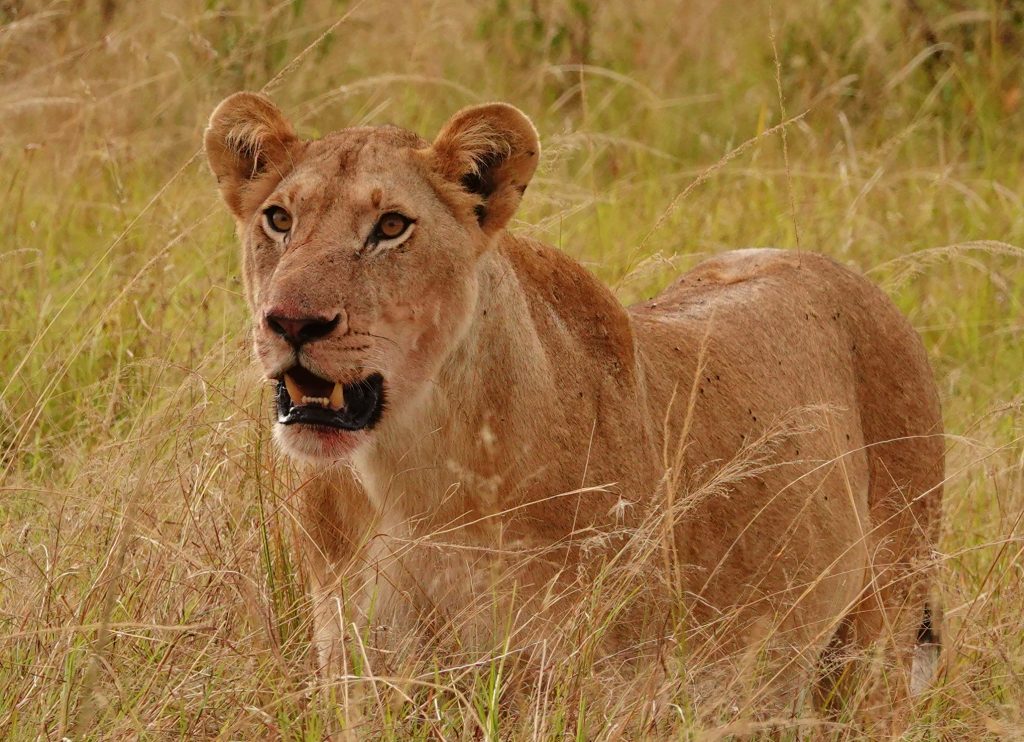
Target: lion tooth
{"type": "Point", "coordinates": [293, 390]}
{"type": "Point", "coordinates": [337, 400]}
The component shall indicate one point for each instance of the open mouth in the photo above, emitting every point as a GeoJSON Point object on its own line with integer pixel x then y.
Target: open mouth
{"type": "Point", "coordinates": [305, 398]}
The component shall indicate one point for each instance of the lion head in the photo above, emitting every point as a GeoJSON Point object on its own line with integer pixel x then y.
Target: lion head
{"type": "Point", "coordinates": [361, 254]}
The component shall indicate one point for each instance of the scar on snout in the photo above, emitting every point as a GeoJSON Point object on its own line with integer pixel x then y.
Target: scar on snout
{"type": "Point", "coordinates": [376, 197]}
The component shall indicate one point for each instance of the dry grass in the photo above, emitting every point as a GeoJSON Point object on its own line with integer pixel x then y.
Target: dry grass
{"type": "Point", "coordinates": [147, 584]}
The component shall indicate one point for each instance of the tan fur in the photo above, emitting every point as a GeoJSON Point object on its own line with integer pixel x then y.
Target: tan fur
{"type": "Point", "coordinates": [770, 419]}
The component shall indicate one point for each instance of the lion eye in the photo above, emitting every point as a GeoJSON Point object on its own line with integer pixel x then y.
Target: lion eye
{"type": "Point", "coordinates": [278, 219]}
{"type": "Point", "coordinates": [391, 225]}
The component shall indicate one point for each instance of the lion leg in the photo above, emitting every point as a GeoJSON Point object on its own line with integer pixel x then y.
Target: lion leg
{"type": "Point", "coordinates": [867, 671]}
{"type": "Point", "coordinates": [334, 517]}
{"type": "Point", "coordinates": [328, 629]}
{"type": "Point", "coordinates": [901, 421]}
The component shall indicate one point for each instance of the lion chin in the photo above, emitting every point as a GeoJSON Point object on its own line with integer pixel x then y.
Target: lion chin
{"type": "Point", "coordinates": [317, 445]}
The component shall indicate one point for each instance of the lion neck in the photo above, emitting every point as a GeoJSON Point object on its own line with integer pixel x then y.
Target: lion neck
{"type": "Point", "coordinates": [504, 412]}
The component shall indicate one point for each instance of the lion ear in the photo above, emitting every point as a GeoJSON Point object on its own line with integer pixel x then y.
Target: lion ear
{"type": "Point", "coordinates": [491, 151]}
{"type": "Point", "coordinates": [250, 147]}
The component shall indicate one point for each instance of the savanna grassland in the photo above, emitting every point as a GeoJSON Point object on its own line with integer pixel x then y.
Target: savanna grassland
{"type": "Point", "coordinates": [147, 582]}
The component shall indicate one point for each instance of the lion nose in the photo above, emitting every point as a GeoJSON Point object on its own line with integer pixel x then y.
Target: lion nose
{"type": "Point", "coordinates": [299, 330]}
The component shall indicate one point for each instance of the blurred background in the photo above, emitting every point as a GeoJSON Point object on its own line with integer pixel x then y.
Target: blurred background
{"type": "Point", "coordinates": [146, 579]}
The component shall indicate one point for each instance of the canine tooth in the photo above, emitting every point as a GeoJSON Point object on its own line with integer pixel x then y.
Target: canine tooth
{"type": "Point", "coordinates": [337, 400]}
{"type": "Point", "coordinates": [293, 390]}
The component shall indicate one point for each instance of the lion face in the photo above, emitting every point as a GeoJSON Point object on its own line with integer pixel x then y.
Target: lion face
{"type": "Point", "coordinates": [360, 256]}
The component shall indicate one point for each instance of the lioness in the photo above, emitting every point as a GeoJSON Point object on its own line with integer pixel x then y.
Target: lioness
{"type": "Point", "coordinates": [758, 449]}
